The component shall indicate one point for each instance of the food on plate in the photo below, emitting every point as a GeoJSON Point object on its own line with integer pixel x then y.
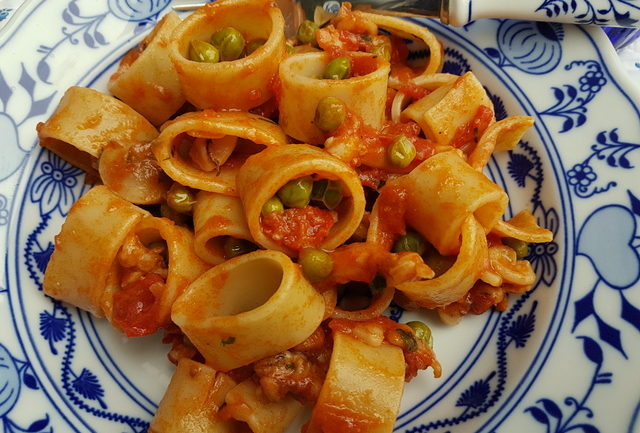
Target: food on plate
{"type": "Point", "coordinates": [294, 190]}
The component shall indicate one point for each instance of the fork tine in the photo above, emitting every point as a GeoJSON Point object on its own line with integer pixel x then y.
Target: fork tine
{"type": "Point", "coordinates": [187, 5]}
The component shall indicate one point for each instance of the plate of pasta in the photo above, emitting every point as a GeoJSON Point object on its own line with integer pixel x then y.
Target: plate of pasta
{"type": "Point", "coordinates": [216, 223]}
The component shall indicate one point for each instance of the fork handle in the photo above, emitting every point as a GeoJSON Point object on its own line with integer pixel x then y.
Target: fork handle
{"type": "Point", "coordinates": [462, 12]}
{"type": "Point", "coordinates": [601, 13]}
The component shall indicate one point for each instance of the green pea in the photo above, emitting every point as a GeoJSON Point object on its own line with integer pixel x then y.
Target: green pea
{"type": "Point", "coordinates": [234, 247]}
{"type": "Point", "coordinates": [229, 42]}
{"type": "Point", "coordinates": [337, 69]}
{"type": "Point", "coordinates": [180, 198]}
{"type": "Point", "coordinates": [272, 205]}
{"type": "Point", "coordinates": [408, 340]}
{"type": "Point", "coordinates": [401, 152]}
{"type": "Point", "coordinates": [422, 331]}
{"type": "Point", "coordinates": [328, 192]}
{"type": "Point", "coordinates": [307, 32]}
{"type": "Point", "coordinates": [330, 113]}
{"type": "Point", "coordinates": [254, 45]}
{"type": "Point", "coordinates": [436, 261]}
{"type": "Point", "coordinates": [316, 264]}
{"type": "Point", "coordinates": [296, 192]}
{"type": "Point", "coordinates": [201, 51]}
{"type": "Point", "coordinates": [411, 242]}
{"type": "Point", "coordinates": [520, 247]}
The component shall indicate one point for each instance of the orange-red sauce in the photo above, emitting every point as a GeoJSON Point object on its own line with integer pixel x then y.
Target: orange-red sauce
{"type": "Point", "coordinates": [135, 310]}
{"type": "Point", "coordinates": [297, 228]}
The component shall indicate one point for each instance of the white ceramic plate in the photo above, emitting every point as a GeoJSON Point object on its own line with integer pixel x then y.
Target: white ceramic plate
{"type": "Point", "coordinates": [562, 358]}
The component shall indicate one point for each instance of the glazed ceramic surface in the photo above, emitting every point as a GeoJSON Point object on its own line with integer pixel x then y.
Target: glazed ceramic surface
{"type": "Point", "coordinates": [563, 357]}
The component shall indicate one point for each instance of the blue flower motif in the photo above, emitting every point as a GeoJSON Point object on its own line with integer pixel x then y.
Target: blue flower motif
{"type": "Point", "coordinates": [4, 212]}
{"type": "Point", "coordinates": [9, 381]}
{"type": "Point", "coordinates": [581, 175]}
{"type": "Point", "coordinates": [53, 189]}
{"type": "Point", "coordinates": [4, 13]}
{"type": "Point", "coordinates": [592, 81]}
{"type": "Point", "coordinates": [543, 262]}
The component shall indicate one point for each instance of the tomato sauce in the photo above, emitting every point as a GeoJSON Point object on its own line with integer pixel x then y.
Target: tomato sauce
{"type": "Point", "coordinates": [297, 228]}
{"type": "Point", "coordinates": [470, 132]}
{"type": "Point", "coordinates": [135, 309]}
{"type": "Point", "coordinates": [392, 207]}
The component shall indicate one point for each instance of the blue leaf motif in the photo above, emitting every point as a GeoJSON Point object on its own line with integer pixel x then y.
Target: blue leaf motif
{"type": "Point", "coordinates": [88, 386]}
{"type": "Point", "coordinates": [67, 18]}
{"type": "Point", "coordinates": [538, 414]}
{"type": "Point", "coordinates": [592, 350]}
{"type": "Point", "coordinates": [551, 408]}
{"type": "Point", "coordinates": [584, 309]}
{"type": "Point", "coordinates": [40, 106]}
{"type": "Point", "coordinates": [9, 382]}
{"type": "Point", "coordinates": [42, 257]}
{"type": "Point", "coordinates": [630, 313]}
{"type": "Point", "coordinates": [493, 52]}
{"type": "Point", "coordinates": [476, 395]}
{"type": "Point", "coordinates": [29, 380]}
{"type": "Point", "coordinates": [610, 335]}
{"type": "Point", "coordinates": [100, 38]}
{"type": "Point", "coordinates": [522, 328]}
{"type": "Point", "coordinates": [73, 8]}
{"type": "Point", "coordinates": [38, 426]}
{"type": "Point", "coordinates": [519, 167]}
{"type": "Point", "coordinates": [26, 81]}
{"type": "Point", "coordinates": [52, 329]}
{"type": "Point", "coordinates": [89, 40]}
{"type": "Point", "coordinates": [559, 94]}
{"type": "Point", "coordinates": [586, 428]}
{"type": "Point", "coordinates": [43, 70]}
{"type": "Point", "coordinates": [5, 91]}
{"type": "Point", "coordinates": [635, 203]}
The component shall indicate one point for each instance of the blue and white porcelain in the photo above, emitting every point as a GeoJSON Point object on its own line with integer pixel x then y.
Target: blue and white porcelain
{"type": "Point", "coordinates": [562, 358]}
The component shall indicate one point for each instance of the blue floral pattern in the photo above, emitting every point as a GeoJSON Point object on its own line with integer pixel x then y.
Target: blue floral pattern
{"type": "Point", "coordinates": [593, 11]}
{"type": "Point", "coordinates": [599, 162]}
{"type": "Point", "coordinates": [571, 101]}
{"type": "Point", "coordinates": [54, 187]}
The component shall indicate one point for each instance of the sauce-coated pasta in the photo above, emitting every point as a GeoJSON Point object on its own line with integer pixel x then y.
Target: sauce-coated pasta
{"type": "Point", "coordinates": [293, 191]}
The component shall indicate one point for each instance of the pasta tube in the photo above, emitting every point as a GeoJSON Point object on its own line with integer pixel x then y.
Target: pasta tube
{"type": "Point", "coordinates": [146, 79]}
{"type": "Point", "coordinates": [105, 263]}
{"type": "Point", "coordinates": [362, 390]}
{"type": "Point", "coordinates": [216, 217]}
{"type": "Point", "coordinates": [523, 226]}
{"type": "Point", "coordinates": [502, 135]}
{"type": "Point", "coordinates": [241, 84]}
{"type": "Point", "coordinates": [442, 192]}
{"type": "Point", "coordinates": [454, 283]}
{"type": "Point", "coordinates": [248, 308]}
{"type": "Point", "coordinates": [95, 228]}
{"type": "Point", "coordinates": [265, 173]}
{"type": "Point", "coordinates": [85, 121]}
{"type": "Point", "coordinates": [247, 402]}
{"type": "Point", "coordinates": [444, 111]}
{"type": "Point", "coordinates": [192, 401]}
{"type": "Point", "coordinates": [133, 173]}
{"type": "Point", "coordinates": [301, 91]}
{"type": "Point", "coordinates": [412, 31]}
{"type": "Point", "coordinates": [205, 149]}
